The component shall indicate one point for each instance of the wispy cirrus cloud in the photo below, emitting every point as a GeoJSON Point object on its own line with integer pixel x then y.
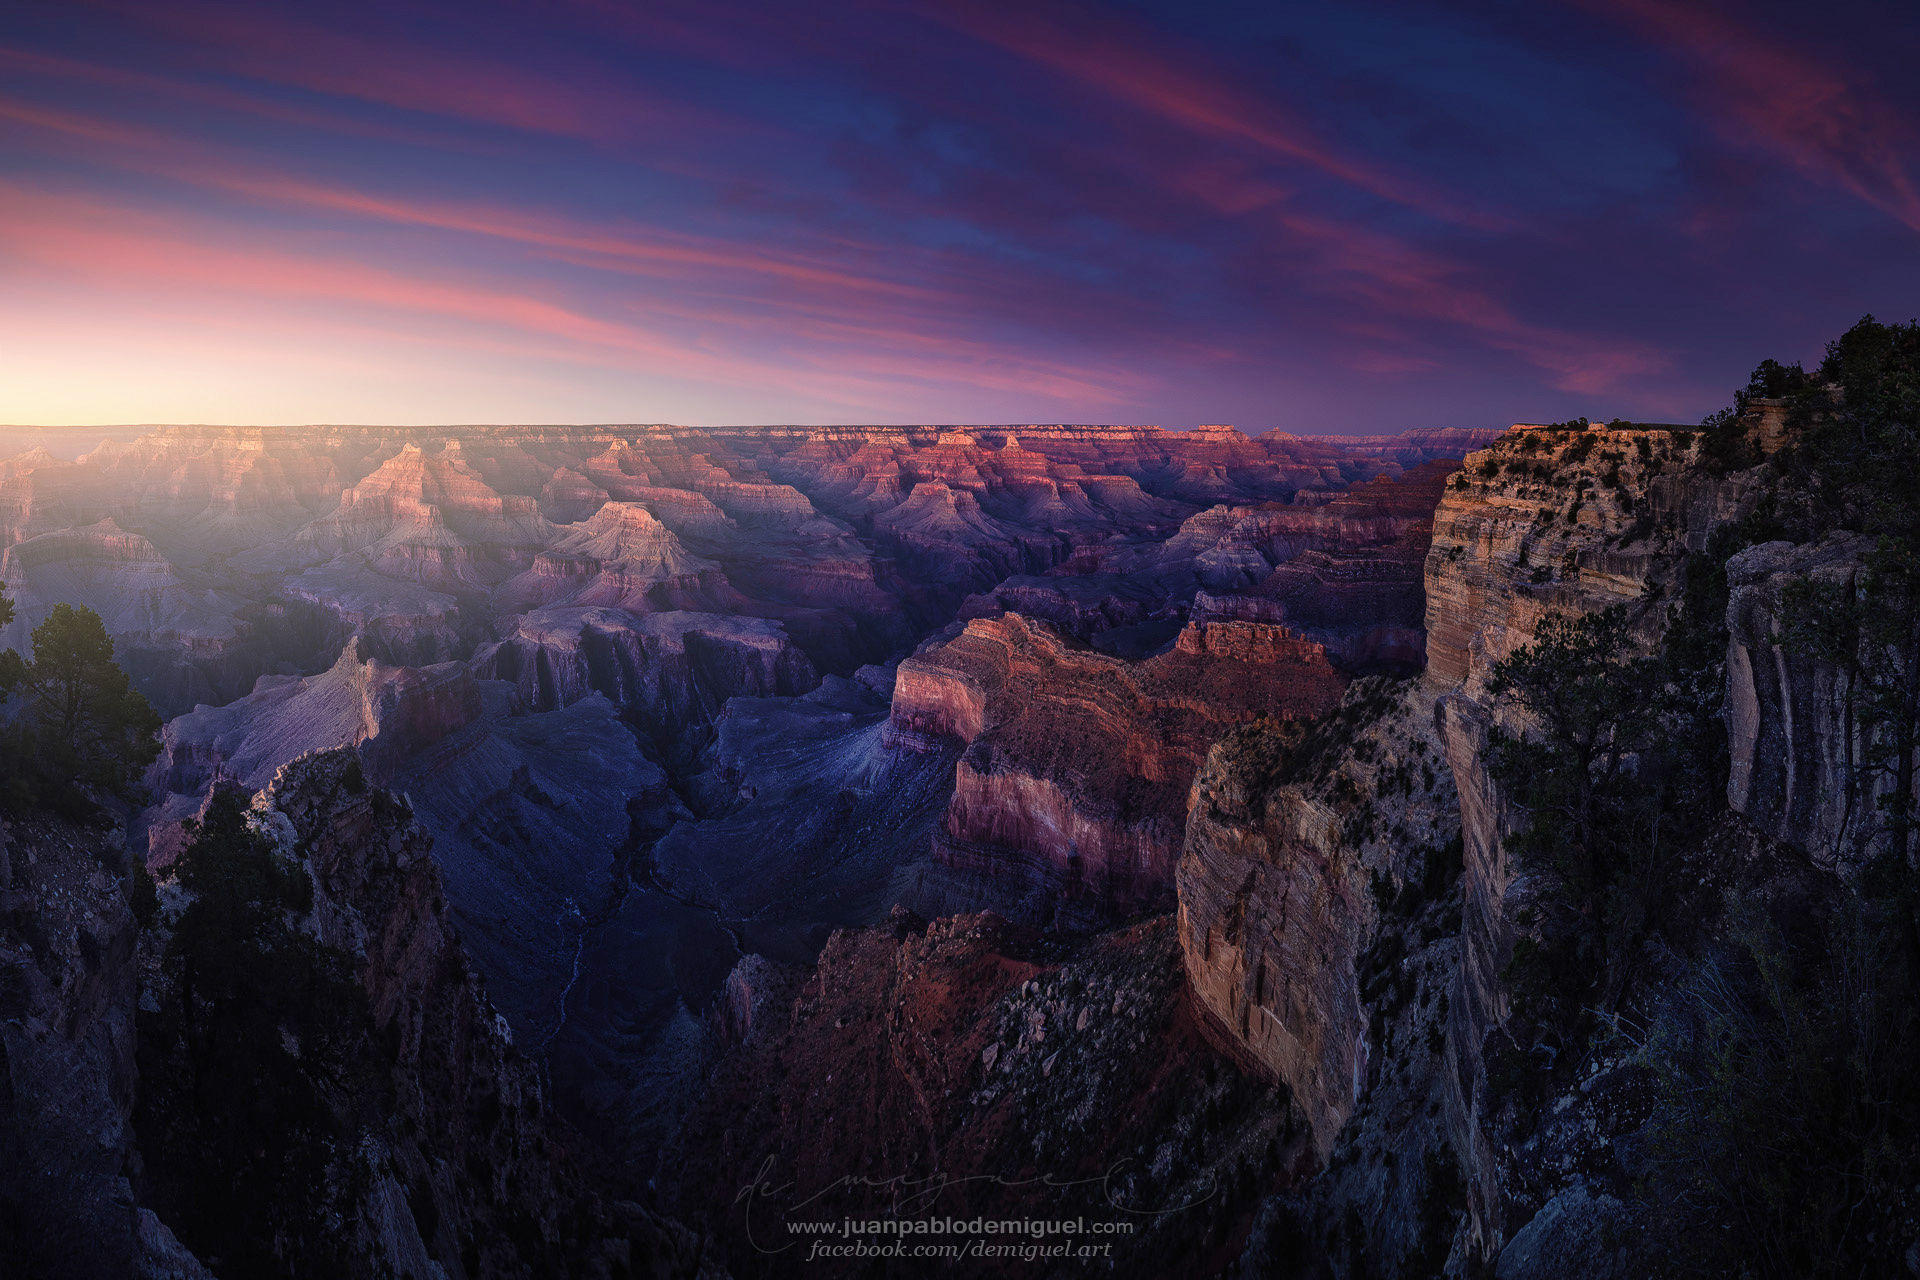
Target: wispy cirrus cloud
{"type": "Point", "coordinates": [1785, 100]}
{"type": "Point", "coordinates": [175, 91]}
{"type": "Point", "coordinates": [132, 249]}
{"type": "Point", "coordinates": [1111, 57]}
{"type": "Point", "coordinates": [1404, 289]}
{"type": "Point", "coordinates": [573, 98]}
{"type": "Point", "coordinates": [659, 251]}
{"type": "Point", "coordinates": [1219, 213]}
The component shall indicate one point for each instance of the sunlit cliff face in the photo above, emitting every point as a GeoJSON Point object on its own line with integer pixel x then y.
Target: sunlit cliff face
{"type": "Point", "coordinates": [1332, 221]}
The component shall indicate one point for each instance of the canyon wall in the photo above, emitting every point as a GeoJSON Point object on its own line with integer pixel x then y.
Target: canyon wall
{"type": "Point", "coordinates": [1384, 1024]}
{"type": "Point", "coordinates": [448, 1160]}
{"type": "Point", "coordinates": [1800, 771]}
{"type": "Point", "coordinates": [1072, 783]}
{"type": "Point", "coordinates": [1548, 521]}
{"type": "Point", "coordinates": [1298, 841]}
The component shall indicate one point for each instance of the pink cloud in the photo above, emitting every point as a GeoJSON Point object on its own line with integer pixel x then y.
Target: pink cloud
{"type": "Point", "coordinates": [632, 249]}
{"type": "Point", "coordinates": [122, 249]}
{"type": "Point", "coordinates": [1398, 281]}
{"type": "Point", "coordinates": [1786, 101]}
{"type": "Point", "coordinates": [232, 101]}
{"type": "Point", "coordinates": [1123, 63]}
{"type": "Point", "coordinates": [575, 101]}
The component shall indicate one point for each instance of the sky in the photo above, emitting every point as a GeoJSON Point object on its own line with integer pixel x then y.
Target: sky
{"type": "Point", "coordinates": [1326, 217]}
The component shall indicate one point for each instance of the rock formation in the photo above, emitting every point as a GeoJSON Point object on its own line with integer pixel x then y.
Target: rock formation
{"type": "Point", "coordinates": [1072, 785]}
{"type": "Point", "coordinates": [674, 670]}
{"type": "Point", "coordinates": [528, 810]}
{"type": "Point", "coordinates": [1548, 521]}
{"type": "Point", "coordinates": [953, 1069]}
{"type": "Point", "coordinates": [1797, 768]}
{"type": "Point", "coordinates": [1297, 843]}
{"type": "Point", "coordinates": [67, 1076]}
{"type": "Point", "coordinates": [451, 1165]}
{"type": "Point", "coordinates": [468, 1173]}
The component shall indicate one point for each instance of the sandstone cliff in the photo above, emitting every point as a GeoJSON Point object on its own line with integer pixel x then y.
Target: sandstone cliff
{"type": "Point", "coordinates": [1386, 1023]}
{"type": "Point", "coordinates": [1798, 757]}
{"type": "Point", "coordinates": [1297, 842]}
{"type": "Point", "coordinates": [1072, 784]}
{"type": "Point", "coordinates": [1550, 520]}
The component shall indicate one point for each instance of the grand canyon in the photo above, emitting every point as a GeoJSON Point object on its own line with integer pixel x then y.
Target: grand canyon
{"type": "Point", "coordinates": [729, 827]}
{"type": "Point", "coordinates": [634, 644]}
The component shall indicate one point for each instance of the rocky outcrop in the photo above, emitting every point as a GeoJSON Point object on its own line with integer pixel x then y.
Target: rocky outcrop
{"type": "Point", "coordinates": [1562, 520]}
{"type": "Point", "coordinates": [400, 711]}
{"type": "Point", "coordinates": [1565, 520]}
{"type": "Point", "coordinates": [620, 557]}
{"type": "Point", "coordinates": [1320, 929]}
{"type": "Point", "coordinates": [424, 515]}
{"type": "Point", "coordinates": [68, 994]}
{"type": "Point", "coordinates": [529, 810]}
{"type": "Point", "coordinates": [808, 820]}
{"type": "Point", "coordinates": [673, 670]}
{"type": "Point", "coordinates": [470, 1143]}
{"type": "Point", "coordinates": [956, 1069]}
{"type": "Point", "coordinates": [442, 1156]}
{"type": "Point", "coordinates": [450, 1162]}
{"type": "Point", "coordinates": [1799, 772]}
{"type": "Point", "coordinates": [1297, 842]}
{"type": "Point", "coordinates": [1076, 766]}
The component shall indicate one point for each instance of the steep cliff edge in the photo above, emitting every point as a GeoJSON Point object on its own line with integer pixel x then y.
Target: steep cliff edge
{"type": "Point", "coordinates": [1549, 522]}
{"type": "Point", "coordinates": [384, 1121]}
{"type": "Point", "coordinates": [69, 986]}
{"type": "Point", "coordinates": [1570, 520]}
{"type": "Point", "coordinates": [1071, 790]}
{"type": "Point", "coordinates": [429, 1142]}
{"type": "Point", "coordinates": [1461, 1119]}
{"type": "Point", "coordinates": [1799, 772]}
{"type": "Point", "coordinates": [1298, 841]}
{"type": "Point", "coordinates": [1655, 719]}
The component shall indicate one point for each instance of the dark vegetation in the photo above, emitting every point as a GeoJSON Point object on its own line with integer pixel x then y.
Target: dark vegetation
{"type": "Point", "coordinates": [247, 1062]}
{"type": "Point", "coordinates": [76, 732]}
{"type": "Point", "coordinates": [1779, 1013]}
{"type": "Point", "coordinates": [258, 1039]}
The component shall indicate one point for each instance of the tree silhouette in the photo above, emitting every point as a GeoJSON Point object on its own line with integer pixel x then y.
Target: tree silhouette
{"type": "Point", "coordinates": [84, 732]}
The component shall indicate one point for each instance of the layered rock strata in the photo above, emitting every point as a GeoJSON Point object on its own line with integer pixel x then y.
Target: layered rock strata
{"type": "Point", "coordinates": [1298, 841]}
{"type": "Point", "coordinates": [1076, 764]}
{"type": "Point", "coordinates": [1799, 761]}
